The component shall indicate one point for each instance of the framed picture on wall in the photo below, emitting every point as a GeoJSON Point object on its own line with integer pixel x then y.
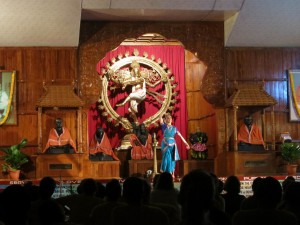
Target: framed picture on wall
{"type": "Point", "coordinates": [8, 111]}
{"type": "Point", "coordinates": [294, 94]}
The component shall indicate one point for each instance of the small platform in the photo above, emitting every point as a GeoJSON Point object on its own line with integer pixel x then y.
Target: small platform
{"type": "Point", "coordinates": [142, 166]}
{"type": "Point", "coordinates": [245, 163]}
{"type": "Point", "coordinates": [76, 166]}
{"type": "Point", "coordinates": [188, 165]}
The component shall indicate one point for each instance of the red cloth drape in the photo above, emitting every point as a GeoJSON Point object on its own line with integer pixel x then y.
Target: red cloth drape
{"type": "Point", "coordinates": [173, 56]}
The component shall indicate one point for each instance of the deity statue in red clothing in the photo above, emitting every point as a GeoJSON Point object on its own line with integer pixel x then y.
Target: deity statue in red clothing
{"type": "Point", "coordinates": [249, 136]}
{"type": "Point", "coordinates": [60, 140]}
{"type": "Point", "coordinates": [100, 147]}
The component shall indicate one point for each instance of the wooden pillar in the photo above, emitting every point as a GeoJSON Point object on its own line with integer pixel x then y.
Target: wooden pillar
{"type": "Point", "coordinates": [226, 130]}
{"type": "Point", "coordinates": [264, 131]}
{"type": "Point", "coordinates": [273, 128]}
{"type": "Point", "coordinates": [79, 129]}
{"type": "Point", "coordinates": [40, 137]}
{"type": "Point", "coordinates": [235, 108]}
{"type": "Point", "coordinates": [154, 141]}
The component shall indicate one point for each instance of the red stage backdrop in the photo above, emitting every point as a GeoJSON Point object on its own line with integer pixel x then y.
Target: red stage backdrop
{"type": "Point", "coordinates": [173, 56]}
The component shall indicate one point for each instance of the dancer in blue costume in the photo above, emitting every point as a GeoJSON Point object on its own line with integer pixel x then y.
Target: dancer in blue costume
{"type": "Point", "coordinates": [168, 145]}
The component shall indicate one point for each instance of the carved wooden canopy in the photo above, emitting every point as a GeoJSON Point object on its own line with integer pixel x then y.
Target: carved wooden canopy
{"type": "Point", "coordinates": [250, 95]}
{"type": "Point", "coordinates": [59, 96]}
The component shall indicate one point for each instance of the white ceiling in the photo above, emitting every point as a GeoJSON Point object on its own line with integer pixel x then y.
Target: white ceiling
{"type": "Point", "coordinates": [251, 23]}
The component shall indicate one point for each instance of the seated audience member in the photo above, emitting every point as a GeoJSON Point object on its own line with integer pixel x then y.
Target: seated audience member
{"type": "Point", "coordinates": [287, 181]}
{"type": "Point", "coordinates": [233, 198]}
{"type": "Point", "coordinates": [81, 204]}
{"type": "Point", "coordinates": [141, 142]}
{"type": "Point", "coordinates": [101, 214]}
{"type": "Point", "coordinates": [154, 180]}
{"type": "Point", "coordinates": [100, 147]}
{"type": "Point", "coordinates": [252, 202]}
{"type": "Point", "coordinates": [136, 212]}
{"type": "Point", "coordinates": [60, 138]}
{"type": "Point", "coordinates": [15, 203]}
{"type": "Point", "coordinates": [165, 192]}
{"type": "Point", "coordinates": [219, 202]}
{"type": "Point", "coordinates": [100, 193]}
{"type": "Point", "coordinates": [292, 199]}
{"type": "Point", "coordinates": [269, 194]}
{"type": "Point", "coordinates": [50, 212]}
{"type": "Point", "coordinates": [196, 197]}
{"type": "Point", "coordinates": [249, 136]}
{"type": "Point", "coordinates": [173, 213]}
{"type": "Point", "coordinates": [46, 189]}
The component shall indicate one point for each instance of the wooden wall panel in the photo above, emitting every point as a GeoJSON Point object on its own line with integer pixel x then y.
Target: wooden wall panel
{"type": "Point", "coordinates": [35, 65]}
{"type": "Point", "coordinates": [201, 114]}
{"type": "Point", "coordinates": [269, 65]}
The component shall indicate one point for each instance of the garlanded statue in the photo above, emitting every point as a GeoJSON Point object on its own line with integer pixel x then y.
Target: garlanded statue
{"type": "Point", "coordinates": [249, 136]}
{"type": "Point", "coordinates": [60, 140]}
{"type": "Point", "coordinates": [100, 148]}
{"type": "Point", "coordinates": [199, 149]}
{"type": "Point", "coordinates": [141, 142]}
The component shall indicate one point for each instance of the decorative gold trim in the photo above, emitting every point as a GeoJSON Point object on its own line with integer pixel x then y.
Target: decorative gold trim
{"type": "Point", "coordinates": [151, 39]}
{"type": "Point", "coordinates": [11, 94]}
{"type": "Point", "coordinates": [112, 73]}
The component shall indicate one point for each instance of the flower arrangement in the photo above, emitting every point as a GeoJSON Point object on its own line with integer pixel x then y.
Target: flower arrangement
{"type": "Point", "coordinates": [199, 149]}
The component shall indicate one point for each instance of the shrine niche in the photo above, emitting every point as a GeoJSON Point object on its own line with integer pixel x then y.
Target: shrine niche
{"type": "Point", "coordinates": [59, 101]}
{"type": "Point", "coordinates": [248, 99]}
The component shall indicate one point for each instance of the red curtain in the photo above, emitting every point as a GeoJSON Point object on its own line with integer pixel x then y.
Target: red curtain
{"type": "Point", "coordinates": [173, 56]}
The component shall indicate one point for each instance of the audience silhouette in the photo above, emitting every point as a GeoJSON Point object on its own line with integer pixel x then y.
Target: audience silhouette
{"type": "Point", "coordinates": [164, 191]}
{"type": "Point", "coordinates": [81, 204]}
{"type": "Point", "coordinates": [15, 202]}
{"type": "Point", "coordinates": [233, 198]}
{"type": "Point", "coordinates": [292, 199]}
{"type": "Point", "coordinates": [196, 203]}
{"type": "Point", "coordinates": [196, 196]}
{"type": "Point", "coordinates": [269, 194]}
{"type": "Point", "coordinates": [136, 212]}
{"type": "Point", "coordinates": [37, 209]}
{"type": "Point", "coordinates": [252, 202]}
{"type": "Point", "coordinates": [172, 211]}
{"type": "Point", "coordinates": [219, 202]}
{"type": "Point", "coordinates": [101, 214]}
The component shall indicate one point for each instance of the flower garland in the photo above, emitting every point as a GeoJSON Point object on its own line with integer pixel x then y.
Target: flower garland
{"type": "Point", "coordinates": [12, 85]}
{"type": "Point", "coordinates": [294, 94]}
{"type": "Point", "coordinates": [199, 149]}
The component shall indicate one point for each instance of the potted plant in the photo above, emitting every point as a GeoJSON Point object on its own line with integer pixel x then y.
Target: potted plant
{"type": "Point", "coordinates": [14, 159]}
{"type": "Point", "coordinates": [290, 152]}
